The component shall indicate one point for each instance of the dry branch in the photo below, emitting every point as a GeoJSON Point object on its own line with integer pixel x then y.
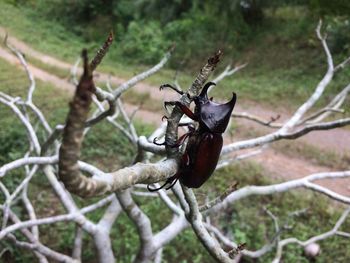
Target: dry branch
{"type": "Point", "coordinates": [102, 52]}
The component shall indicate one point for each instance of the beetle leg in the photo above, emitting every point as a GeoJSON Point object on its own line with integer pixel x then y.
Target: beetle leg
{"type": "Point", "coordinates": [191, 128]}
{"type": "Point", "coordinates": [171, 87]}
{"type": "Point", "coordinates": [186, 159]}
{"type": "Point", "coordinates": [184, 124]}
{"type": "Point", "coordinates": [189, 125]}
{"type": "Point", "coordinates": [190, 97]}
{"type": "Point", "coordinates": [181, 140]}
{"type": "Point", "coordinates": [183, 108]}
{"type": "Point", "coordinates": [186, 111]}
{"type": "Point", "coordinates": [176, 144]}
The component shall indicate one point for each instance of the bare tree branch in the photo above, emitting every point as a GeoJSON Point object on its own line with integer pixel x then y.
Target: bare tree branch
{"type": "Point", "coordinates": [130, 83]}
{"type": "Point", "coordinates": [279, 135]}
{"type": "Point", "coordinates": [228, 72]}
{"type": "Point", "coordinates": [195, 219]}
{"type": "Point", "coordinates": [143, 225]}
{"type": "Point", "coordinates": [314, 239]}
{"type": "Point", "coordinates": [282, 187]}
{"type": "Point", "coordinates": [269, 123]}
{"type": "Point", "coordinates": [102, 52]}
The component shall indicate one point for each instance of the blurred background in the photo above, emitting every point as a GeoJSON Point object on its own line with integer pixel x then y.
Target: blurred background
{"type": "Point", "coordinates": [275, 37]}
{"type": "Point", "coordinates": [285, 62]}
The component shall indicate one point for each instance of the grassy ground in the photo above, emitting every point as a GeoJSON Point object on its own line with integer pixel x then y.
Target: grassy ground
{"type": "Point", "coordinates": [59, 72]}
{"type": "Point", "coordinates": [246, 220]}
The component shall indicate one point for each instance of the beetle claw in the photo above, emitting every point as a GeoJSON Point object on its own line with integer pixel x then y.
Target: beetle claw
{"type": "Point", "coordinates": [190, 97]}
{"type": "Point", "coordinates": [171, 145]}
{"type": "Point", "coordinates": [165, 117]}
{"type": "Point", "coordinates": [157, 143]}
{"type": "Point", "coordinates": [172, 181]}
{"type": "Point", "coordinates": [155, 189]}
{"type": "Point", "coordinates": [161, 87]}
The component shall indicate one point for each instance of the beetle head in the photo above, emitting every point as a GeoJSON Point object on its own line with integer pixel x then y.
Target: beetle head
{"type": "Point", "coordinates": [214, 116]}
{"type": "Point", "coordinates": [202, 98]}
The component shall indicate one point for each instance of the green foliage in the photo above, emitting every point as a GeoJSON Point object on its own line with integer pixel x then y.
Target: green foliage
{"type": "Point", "coordinates": [78, 14]}
{"type": "Point", "coordinates": [146, 30]}
{"type": "Point", "coordinates": [144, 42]}
{"type": "Point", "coordinates": [339, 38]}
{"type": "Point", "coordinates": [13, 139]}
{"type": "Point", "coordinates": [13, 145]}
{"type": "Point", "coordinates": [198, 34]}
{"type": "Point", "coordinates": [102, 150]}
{"type": "Point", "coordinates": [325, 7]}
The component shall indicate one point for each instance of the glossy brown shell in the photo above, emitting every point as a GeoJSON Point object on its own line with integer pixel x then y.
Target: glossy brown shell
{"type": "Point", "coordinates": [202, 155]}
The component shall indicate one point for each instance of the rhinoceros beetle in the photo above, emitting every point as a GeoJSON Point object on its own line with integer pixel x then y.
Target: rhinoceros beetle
{"type": "Point", "coordinates": [204, 144]}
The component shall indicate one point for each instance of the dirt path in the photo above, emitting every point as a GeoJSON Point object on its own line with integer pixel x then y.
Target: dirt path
{"type": "Point", "coordinates": [280, 166]}
{"type": "Point", "coordinates": [337, 140]}
{"type": "Point", "coordinates": [51, 61]}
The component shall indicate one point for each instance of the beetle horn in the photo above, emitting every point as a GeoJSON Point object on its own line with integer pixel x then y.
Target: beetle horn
{"type": "Point", "coordinates": [232, 102]}
{"type": "Point", "coordinates": [226, 110]}
{"type": "Point", "coordinates": [205, 89]}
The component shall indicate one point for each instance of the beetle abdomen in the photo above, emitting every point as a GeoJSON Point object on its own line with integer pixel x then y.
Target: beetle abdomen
{"type": "Point", "coordinates": [202, 157]}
